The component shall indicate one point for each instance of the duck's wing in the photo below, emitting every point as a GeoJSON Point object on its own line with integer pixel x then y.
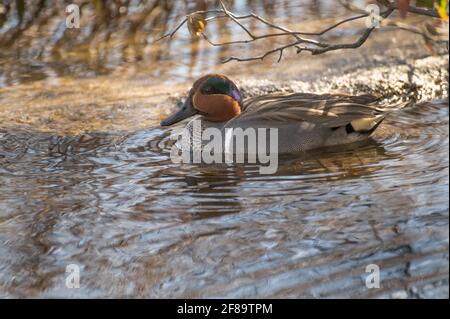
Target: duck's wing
{"type": "Point", "coordinates": [329, 110]}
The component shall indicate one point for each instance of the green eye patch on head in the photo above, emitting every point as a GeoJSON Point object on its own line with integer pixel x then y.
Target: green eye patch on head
{"type": "Point", "coordinates": [216, 86]}
{"type": "Point", "coordinates": [221, 86]}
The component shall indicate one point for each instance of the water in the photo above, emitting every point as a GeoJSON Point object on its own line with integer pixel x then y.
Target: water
{"type": "Point", "coordinates": [86, 179]}
{"type": "Point", "coordinates": [122, 45]}
{"type": "Point", "coordinates": [139, 225]}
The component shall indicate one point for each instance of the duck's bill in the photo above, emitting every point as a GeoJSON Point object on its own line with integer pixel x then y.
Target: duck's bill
{"type": "Point", "coordinates": [187, 110]}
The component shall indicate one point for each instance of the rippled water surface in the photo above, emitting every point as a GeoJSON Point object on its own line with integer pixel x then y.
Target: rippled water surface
{"type": "Point", "coordinates": [140, 225]}
{"type": "Point", "coordinates": [86, 179]}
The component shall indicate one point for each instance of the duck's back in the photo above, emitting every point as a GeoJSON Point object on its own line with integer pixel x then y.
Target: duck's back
{"type": "Point", "coordinates": [307, 121]}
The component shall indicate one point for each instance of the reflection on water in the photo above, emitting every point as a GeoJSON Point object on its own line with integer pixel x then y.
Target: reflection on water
{"type": "Point", "coordinates": [118, 37]}
{"type": "Point", "coordinates": [139, 225]}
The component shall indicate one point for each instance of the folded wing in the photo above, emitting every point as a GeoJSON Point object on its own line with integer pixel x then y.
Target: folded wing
{"type": "Point", "coordinates": [328, 110]}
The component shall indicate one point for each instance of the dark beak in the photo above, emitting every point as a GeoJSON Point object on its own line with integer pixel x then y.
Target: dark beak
{"type": "Point", "coordinates": [187, 110]}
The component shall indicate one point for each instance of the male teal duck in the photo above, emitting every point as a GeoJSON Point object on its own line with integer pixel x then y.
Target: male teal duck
{"type": "Point", "coordinates": [304, 121]}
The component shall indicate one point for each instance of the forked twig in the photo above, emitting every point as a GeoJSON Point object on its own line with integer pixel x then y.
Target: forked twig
{"type": "Point", "coordinates": [301, 43]}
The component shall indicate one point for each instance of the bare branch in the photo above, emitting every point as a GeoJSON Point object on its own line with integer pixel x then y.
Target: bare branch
{"type": "Point", "coordinates": [171, 34]}
{"type": "Point", "coordinates": [353, 45]}
{"type": "Point", "coordinates": [315, 51]}
{"type": "Point", "coordinates": [225, 13]}
{"type": "Point", "coordinates": [225, 10]}
{"type": "Point", "coordinates": [263, 56]}
{"type": "Point", "coordinates": [252, 15]}
{"type": "Point", "coordinates": [274, 26]}
{"type": "Point", "coordinates": [334, 26]}
{"type": "Point", "coordinates": [270, 35]}
{"type": "Point", "coordinates": [301, 43]}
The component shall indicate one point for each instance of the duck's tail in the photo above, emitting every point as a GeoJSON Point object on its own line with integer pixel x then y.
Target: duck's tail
{"type": "Point", "coordinates": [365, 125]}
{"type": "Point", "coordinates": [368, 125]}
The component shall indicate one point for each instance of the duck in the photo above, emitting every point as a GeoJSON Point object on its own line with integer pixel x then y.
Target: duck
{"type": "Point", "coordinates": [305, 121]}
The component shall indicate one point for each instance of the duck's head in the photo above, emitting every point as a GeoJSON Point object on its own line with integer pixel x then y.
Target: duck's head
{"type": "Point", "coordinates": [214, 96]}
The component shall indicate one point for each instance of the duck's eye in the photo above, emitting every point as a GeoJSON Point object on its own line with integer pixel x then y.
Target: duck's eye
{"type": "Point", "coordinates": [208, 90]}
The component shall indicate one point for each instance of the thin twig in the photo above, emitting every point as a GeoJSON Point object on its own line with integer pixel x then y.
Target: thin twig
{"type": "Point", "coordinates": [302, 44]}
{"type": "Point", "coordinates": [178, 27]}
{"type": "Point", "coordinates": [315, 51]}
{"type": "Point", "coordinates": [225, 13]}
{"type": "Point", "coordinates": [236, 19]}
{"type": "Point", "coordinates": [263, 56]}
{"type": "Point", "coordinates": [171, 34]}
